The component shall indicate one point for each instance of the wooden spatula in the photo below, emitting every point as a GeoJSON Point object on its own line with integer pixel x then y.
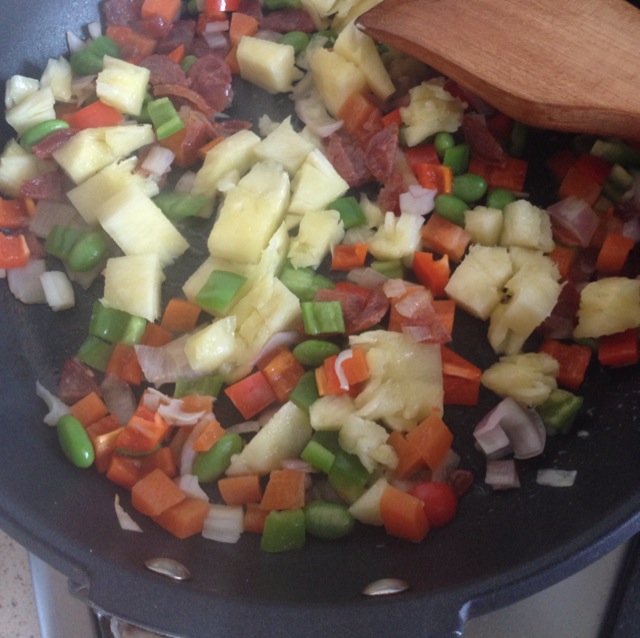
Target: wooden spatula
{"type": "Point", "coordinates": [570, 65]}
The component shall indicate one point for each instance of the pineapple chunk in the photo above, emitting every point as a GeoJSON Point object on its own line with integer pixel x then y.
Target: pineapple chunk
{"type": "Point", "coordinates": [57, 76]}
{"type": "Point", "coordinates": [330, 412]}
{"type": "Point", "coordinates": [532, 294]}
{"type": "Point", "coordinates": [608, 306]}
{"type": "Point", "coordinates": [366, 508]}
{"type": "Point", "coordinates": [269, 65]}
{"type": "Point", "coordinates": [234, 153]}
{"type": "Point", "coordinates": [319, 232]}
{"type": "Point", "coordinates": [282, 437]}
{"type": "Point", "coordinates": [367, 440]}
{"type": "Point", "coordinates": [286, 146]}
{"type": "Point", "coordinates": [122, 85]}
{"type": "Point", "coordinates": [92, 193]}
{"type": "Point", "coordinates": [431, 109]}
{"type": "Point", "coordinates": [138, 226]}
{"type": "Point", "coordinates": [405, 382]}
{"type": "Point", "coordinates": [398, 237]}
{"type": "Point", "coordinates": [348, 10]}
{"type": "Point", "coordinates": [476, 284]}
{"type": "Point", "coordinates": [316, 184]}
{"type": "Point", "coordinates": [34, 108]}
{"type": "Point", "coordinates": [357, 47]}
{"type": "Point", "coordinates": [335, 78]}
{"type": "Point", "coordinates": [527, 226]}
{"type": "Point", "coordinates": [91, 150]}
{"type": "Point", "coordinates": [211, 346]}
{"type": "Point", "coordinates": [18, 165]}
{"type": "Point", "coordinates": [484, 225]}
{"type": "Point", "coordinates": [250, 214]}
{"type": "Point", "coordinates": [528, 378]}
{"type": "Point", "coordinates": [18, 88]}
{"type": "Point", "coordinates": [133, 284]}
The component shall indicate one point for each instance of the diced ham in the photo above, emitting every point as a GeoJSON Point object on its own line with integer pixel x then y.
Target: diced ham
{"type": "Point", "coordinates": [380, 152]}
{"type": "Point", "coordinates": [210, 76]}
{"type": "Point", "coordinates": [163, 70]}
{"type": "Point", "coordinates": [251, 8]}
{"type": "Point", "coordinates": [181, 94]}
{"type": "Point", "coordinates": [43, 186]}
{"type": "Point", "coordinates": [183, 32]}
{"type": "Point", "coordinates": [226, 128]}
{"type": "Point", "coordinates": [348, 158]}
{"type": "Point", "coordinates": [122, 12]}
{"type": "Point", "coordinates": [52, 142]}
{"type": "Point", "coordinates": [285, 20]}
{"type": "Point", "coordinates": [76, 381]}
{"type": "Point", "coordinates": [389, 196]}
{"type": "Point", "coordinates": [154, 26]}
{"type": "Point", "coordinates": [482, 142]}
{"type": "Point", "coordinates": [199, 47]}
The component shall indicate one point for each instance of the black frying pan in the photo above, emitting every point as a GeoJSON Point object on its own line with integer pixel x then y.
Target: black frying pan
{"type": "Point", "coordinates": [502, 546]}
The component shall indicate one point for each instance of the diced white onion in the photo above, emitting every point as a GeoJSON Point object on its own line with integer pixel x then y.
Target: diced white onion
{"type": "Point", "coordinates": [215, 39]}
{"type": "Point", "coordinates": [312, 112]}
{"type": "Point", "coordinates": [417, 200]}
{"type": "Point", "coordinates": [216, 26]}
{"type": "Point", "coordinates": [24, 283]}
{"type": "Point", "coordinates": [244, 427]}
{"type": "Point", "coordinates": [298, 465]}
{"type": "Point", "coordinates": [342, 377]}
{"type": "Point", "coordinates": [125, 520]}
{"type": "Point", "coordinates": [74, 42]}
{"type": "Point", "coordinates": [165, 364]}
{"type": "Point", "coordinates": [158, 160]}
{"type": "Point", "coordinates": [190, 485]}
{"type": "Point", "coordinates": [224, 523]}
{"type": "Point", "coordinates": [118, 397]}
{"type": "Point", "coordinates": [94, 29]}
{"type": "Point", "coordinates": [268, 34]}
{"type": "Point", "coordinates": [58, 290]}
{"type": "Point", "coordinates": [57, 408]}
{"type": "Point", "coordinates": [502, 474]}
{"type": "Point", "coordinates": [394, 288]}
{"type": "Point", "coordinates": [188, 454]}
{"type": "Point", "coordinates": [186, 182]}
{"type": "Point", "coordinates": [556, 478]}
{"type": "Point", "coordinates": [366, 277]}
{"type": "Point", "coordinates": [50, 214]}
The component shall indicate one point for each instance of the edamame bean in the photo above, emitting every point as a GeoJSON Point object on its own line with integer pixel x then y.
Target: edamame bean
{"type": "Point", "coordinates": [452, 208]}
{"type": "Point", "coordinates": [75, 442]}
{"type": "Point", "coordinates": [443, 141]}
{"type": "Point", "coordinates": [210, 465]}
{"type": "Point", "coordinates": [282, 4]}
{"type": "Point", "coordinates": [313, 352]}
{"type": "Point", "coordinates": [326, 520]}
{"type": "Point", "coordinates": [87, 252]}
{"type": "Point", "coordinates": [469, 187]}
{"type": "Point", "coordinates": [499, 198]}
{"type": "Point", "coordinates": [457, 158]}
{"type": "Point", "coordinates": [39, 131]}
{"type": "Point", "coordinates": [297, 39]}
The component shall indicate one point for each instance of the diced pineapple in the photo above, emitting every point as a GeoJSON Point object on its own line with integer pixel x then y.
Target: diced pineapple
{"type": "Point", "coordinates": [527, 226]}
{"type": "Point", "coordinates": [322, 8]}
{"type": "Point", "coordinates": [17, 88]}
{"type": "Point", "coordinates": [365, 439]}
{"type": "Point", "coordinates": [484, 225]}
{"type": "Point", "coordinates": [93, 192]}
{"type": "Point", "coordinates": [608, 306]}
{"type": "Point", "coordinates": [210, 347]}
{"type": "Point", "coordinates": [91, 150]}
{"type": "Point", "coordinates": [405, 382]}
{"type": "Point", "coordinates": [349, 10]}
{"type": "Point", "coordinates": [17, 166]}
{"type": "Point", "coordinates": [319, 232]}
{"type": "Point", "coordinates": [267, 64]}
{"type": "Point", "coordinates": [234, 153]}
{"type": "Point", "coordinates": [367, 508]}
{"type": "Point", "coordinates": [398, 237]}
{"type": "Point", "coordinates": [133, 284]}
{"type": "Point", "coordinates": [528, 378]}
{"type": "Point", "coordinates": [139, 227]}
{"type": "Point", "coordinates": [357, 47]}
{"type": "Point", "coordinates": [31, 110]}
{"type": "Point", "coordinates": [335, 78]}
{"type": "Point", "coordinates": [282, 437]}
{"type": "Point", "coordinates": [330, 412]}
{"type": "Point", "coordinates": [250, 214]}
{"type": "Point", "coordinates": [316, 184]}
{"type": "Point", "coordinates": [531, 295]}
{"type": "Point", "coordinates": [286, 146]}
{"type": "Point", "coordinates": [432, 109]}
{"type": "Point", "coordinates": [476, 284]}
{"type": "Point", "coordinates": [57, 76]}
{"type": "Point", "coordinates": [122, 85]}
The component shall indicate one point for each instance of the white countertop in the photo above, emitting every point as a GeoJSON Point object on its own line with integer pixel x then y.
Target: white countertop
{"type": "Point", "coordinates": [18, 616]}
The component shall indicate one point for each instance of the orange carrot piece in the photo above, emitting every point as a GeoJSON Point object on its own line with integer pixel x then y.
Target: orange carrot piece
{"type": "Point", "coordinates": [197, 403]}
{"type": "Point", "coordinates": [177, 54]}
{"type": "Point", "coordinates": [184, 519]}
{"type": "Point", "coordinates": [283, 372]}
{"type": "Point", "coordinates": [241, 24]}
{"type": "Point", "coordinates": [403, 515]}
{"type": "Point", "coordinates": [360, 116]}
{"type": "Point", "coordinates": [445, 238]}
{"type": "Point", "coordinates": [432, 438]}
{"type": "Point", "coordinates": [285, 490]}
{"type": "Point", "coordinates": [124, 364]}
{"type": "Point", "coordinates": [254, 518]}
{"type": "Point", "coordinates": [409, 459]}
{"type": "Point", "coordinates": [613, 253]}
{"type": "Point", "coordinates": [205, 148]}
{"type": "Point", "coordinates": [155, 336]}
{"type": "Point", "coordinates": [578, 184]}
{"type": "Point", "coordinates": [446, 311]}
{"type": "Point", "coordinates": [348, 256]}
{"type": "Point", "coordinates": [89, 409]}
{"type": "Point", "coordinates": [180, 315]}
{"type": "Point", "coordinates": [240, 490]}
{"type": "Point", "coordinates": [209, 436]}
{"type": "Point", "coordinates": [155, 493]}
{"type": "Point", "coordinates": [166, 9]}
{"type": "Point", "coordinates": [104, 446]}
{"type": "Point", "coordinates": [143, 434]}
{"type": "Point", "coordinates": [563, 256]}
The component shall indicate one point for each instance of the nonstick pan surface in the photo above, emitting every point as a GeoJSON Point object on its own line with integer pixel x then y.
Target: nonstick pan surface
{"type": "Point", "coordinates": [501, 547]}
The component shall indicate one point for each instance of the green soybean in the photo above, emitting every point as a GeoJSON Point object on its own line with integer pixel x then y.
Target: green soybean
{"type": "Point", "coordinates": [457, 158]}
{"type": "Point", "coordinates": [87, 252]}
{"type": "Point", "coordinates": [443, 141]}
{"type": "Point", "coordinates": [469, 187]}
{"type": "Point", "coordinates": [452, 208]}
{"type": "Point", "coordinates": [210, 465]}
{"type": "Point", "coordinates": [282, 4]}
{"type": "Point", "coordinates": [297, 39]}
{"type": "Point", "coordinates": [326, 520]}
{"type": "Point", "coordinates": [39, 131]}
{"type": "Point", "coordinates": [313, 352]}
{"type": "Point", "coordinates": [75, 442]}
{"type": "Point", "coordinates": [499, 198]}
